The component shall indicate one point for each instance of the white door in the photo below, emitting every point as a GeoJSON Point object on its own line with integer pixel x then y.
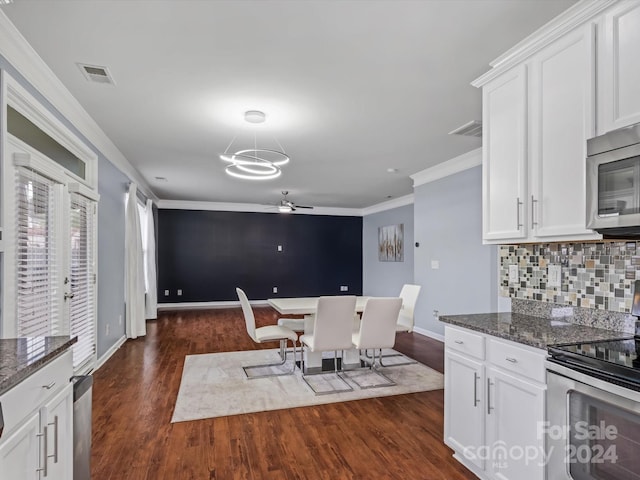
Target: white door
{"type": "Point", "coordinates": [514, 408]}
{"type": "Point", "coordinates": [463, 407]}
{"type": "Point", "coordinates": [562, 117]}
{"type": "Point", "coordinates": [619, 70]}
{"type": "Point", "coordinates": [504, 156]}
{"type": "Point", "coordinates": [20, 453]}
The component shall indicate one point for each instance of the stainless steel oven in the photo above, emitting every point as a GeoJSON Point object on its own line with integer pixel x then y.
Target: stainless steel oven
{"type": "Point", "coordinates": [613, 182]}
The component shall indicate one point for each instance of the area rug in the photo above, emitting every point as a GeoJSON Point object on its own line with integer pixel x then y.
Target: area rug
{"type": "Point", "coordinates": [214, 385]}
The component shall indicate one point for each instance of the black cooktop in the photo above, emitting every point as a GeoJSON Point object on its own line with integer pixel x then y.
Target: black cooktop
{"type": "Point", "coordinates": [616, 361]}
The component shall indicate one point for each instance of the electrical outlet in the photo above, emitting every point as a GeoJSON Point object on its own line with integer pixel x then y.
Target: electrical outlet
{"type": "Point", "coordinates": [436, 313]}
{"type": "Point", "coordinates": [554, 275]}
{"type": "Point", "coordinates": [179, 292]}
{"type": "Point", "coordinates": [275, 289]}
{"type": "Point", "coordinates": [166, 293]}
{"type": "Point", "coordinates": [435, 264]}
{"type": "Point", "coordinates": [513, 274]}
{"type": "Point", "coordinates": [344, 288]}
{"type": "Point", "coordinates": [107, 329]}
{"type": "Point", "coordinates": [279, 248]}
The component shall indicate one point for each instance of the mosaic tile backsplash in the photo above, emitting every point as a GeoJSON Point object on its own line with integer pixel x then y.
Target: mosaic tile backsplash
{"type": "Point", "coordinates": [594, 275]}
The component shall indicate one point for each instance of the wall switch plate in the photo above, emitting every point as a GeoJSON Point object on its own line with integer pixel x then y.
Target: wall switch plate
{"type": "Point", "coordinates": [435, 264]}
{"type": "Point", "coordinates": [344, 288]}
{"type": "Point", "coordinates": [179, 292]}
{"type": "Point", "coordinates": [554, 275]}
{"type": "Point", "coordinates": [166, 293]}
{"type": "Point", "coordinates": [275, 289]}
{"type": "Point", "coordinates": [513, 274]}
{"type": "Point", "coordinates": [279, 248]}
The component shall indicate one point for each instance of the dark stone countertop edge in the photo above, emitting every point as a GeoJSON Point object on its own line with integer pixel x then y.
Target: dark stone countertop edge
{"type": "Point", "coordinates": [11, 381]}
{"type": "Point", "coordinates": [585, 333]}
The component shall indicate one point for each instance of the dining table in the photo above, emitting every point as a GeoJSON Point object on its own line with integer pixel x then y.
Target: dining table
{"type": "Point", "coordinates": [307, 306]}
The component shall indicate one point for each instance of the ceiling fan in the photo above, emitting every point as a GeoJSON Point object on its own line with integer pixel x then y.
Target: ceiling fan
{"type": "Point", "coordinates": [285, 205]}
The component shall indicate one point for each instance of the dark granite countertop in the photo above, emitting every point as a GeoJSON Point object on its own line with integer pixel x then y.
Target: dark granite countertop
{"type": "Point", "coordinates": [20, 357]}
{"type": "Point", "coordinates": [535, 331]}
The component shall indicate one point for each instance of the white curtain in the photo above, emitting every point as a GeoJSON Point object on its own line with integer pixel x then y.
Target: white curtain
{"type": "Point", "coordinates": [151, 305]}
{"type": "Point", "coordinates": [134, 269]}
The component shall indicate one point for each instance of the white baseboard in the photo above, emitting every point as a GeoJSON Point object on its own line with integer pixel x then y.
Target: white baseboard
{"type": "Point", "coordinates": [107, 355]}
{"type": "Point", "coordinates": [429, 333]}
{"type": "Point", "coordinates": [206, 305]}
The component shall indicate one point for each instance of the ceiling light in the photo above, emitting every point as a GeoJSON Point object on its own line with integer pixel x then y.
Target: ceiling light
{"type": "Point", "coordinates": [285, 208]}
{"type": "Point", "coordinates": [254, 163]}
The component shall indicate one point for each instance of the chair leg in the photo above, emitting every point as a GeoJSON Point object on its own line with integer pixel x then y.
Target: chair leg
{"type": "Point", "coordinates": [305, 377]}
{"type": "Point", "coordinates": [269, 365]}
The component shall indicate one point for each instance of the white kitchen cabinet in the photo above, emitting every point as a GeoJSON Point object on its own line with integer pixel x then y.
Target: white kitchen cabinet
{"type": "Point", "coordinates": [494, 405]}
{"type": "Point", "coordinates": [504, 166]}
{"type": "Point", "coordinates": [37, 442]}
{"type": "Point", "coordinates": [562, 118]}
{"type": "Point", "coordinates": [536, 120]}
{"type": "Point", "coordinates": [619, 68]}
{"type": "Point", "coordinates": [20, 451]}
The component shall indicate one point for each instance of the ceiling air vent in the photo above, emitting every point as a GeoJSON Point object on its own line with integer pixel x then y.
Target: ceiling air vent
{"type": "Point", "coordinates": [471, 129]}
{"type": "Point", "coordinates": [96, 74]}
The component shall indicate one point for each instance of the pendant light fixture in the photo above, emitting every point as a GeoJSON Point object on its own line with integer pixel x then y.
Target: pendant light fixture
{"type": "Point", "coordinates": [254, 163]}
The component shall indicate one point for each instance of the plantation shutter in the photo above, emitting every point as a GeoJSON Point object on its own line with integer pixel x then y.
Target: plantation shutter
{"type": "Point", "coordinates": [82, 279]}
{"type": "Point", "coordinates": [37, 252]}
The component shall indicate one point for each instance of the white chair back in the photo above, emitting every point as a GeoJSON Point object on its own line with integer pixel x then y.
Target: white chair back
{"type": "Point", "coordinates": [333, 324]}
{"type": "Point", "coordinates": [409, 295]}
{"type": "Point", "coordinates": [249, 319]}
{"type": "Point", "coordinates": [378, 325]}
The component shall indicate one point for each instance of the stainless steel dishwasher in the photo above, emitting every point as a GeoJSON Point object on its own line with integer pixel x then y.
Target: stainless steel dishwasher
{"type": "Point", "coordinates": [82, 393]}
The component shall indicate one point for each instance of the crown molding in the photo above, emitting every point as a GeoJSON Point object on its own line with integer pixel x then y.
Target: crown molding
{"type": "Point", "coordinates": [455, 165]}
{"type": "Point", "coordinates": [21, 55]}
{"type": "Point", "coordinates": [253, 207]}
{"type": "Point", "coordinates": [571, 18]}
{"type": "Point", "coordinates": [388, 205]}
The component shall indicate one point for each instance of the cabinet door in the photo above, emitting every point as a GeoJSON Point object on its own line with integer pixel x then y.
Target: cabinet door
{"type": "Point", "coordinates": [504, 173]}
{"type": "Point", "coordinates": [619, 71]}
{"type": "Point", "coordinates": [515, 414]}
{"type": "Point", "coordinates": [57, 416]}
{"type": "Point", "coordinates": [463, 407]}
{"type": "Point", "coordinates": [562, 117]}
{"type": "Point", "coordinates": [19, 453]}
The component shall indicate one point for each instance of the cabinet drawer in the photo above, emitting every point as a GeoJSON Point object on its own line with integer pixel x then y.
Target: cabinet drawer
{"type": "Point", "coordinates": [513, 358]}
{"type": "Point", "coordinates": [30, 394]}
{"type": "Point", "coordinates": [464, 341]}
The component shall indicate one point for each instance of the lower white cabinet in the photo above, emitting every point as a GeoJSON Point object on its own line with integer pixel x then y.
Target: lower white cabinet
{"type": "Point", "coordinates": [37, 442]}
{"type": "Point", "coordinates": [494, 405]}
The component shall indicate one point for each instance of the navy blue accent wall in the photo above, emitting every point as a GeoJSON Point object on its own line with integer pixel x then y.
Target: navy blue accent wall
{"type": "Point", "coordinates": [208, 254]}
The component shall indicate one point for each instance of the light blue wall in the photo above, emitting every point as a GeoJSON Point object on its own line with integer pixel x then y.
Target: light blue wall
{"type": "Point", "coordinates": [386, 278]}
{"type": "Point", "coordinates": [448, 226]}
{"type": "Point", "coordinates": [111, 187]}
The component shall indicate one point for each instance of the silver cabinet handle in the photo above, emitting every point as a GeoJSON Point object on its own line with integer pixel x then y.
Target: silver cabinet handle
{"type": "Point", "coordinates": [45, 455]}
{"type": "Point", "coordinates": [533, 214]}
{"type": "Point", "coordinates": [476, 377]}
{"type": "Point", "coordinates": [518, 203]}
{"type": "Point", "coordinates": [459, 342]}
{"type": "Point", "coordinates": [50, 386]}
{"type": "Point", "coordinates": [55, 439]}
{"type": "Point", "coordinates": [489, 407]}
{"type": "Point", "coordinates": [511, 359]}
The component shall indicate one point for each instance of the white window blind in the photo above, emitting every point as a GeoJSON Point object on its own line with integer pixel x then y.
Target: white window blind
{"type": "Point", "coordinates": [37, 296]}
{"type": "Point", "coordinates": [82, 279]}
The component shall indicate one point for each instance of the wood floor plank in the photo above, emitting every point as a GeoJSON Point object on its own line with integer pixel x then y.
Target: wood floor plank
{"type": "Point", "coordinates": [134, 395]}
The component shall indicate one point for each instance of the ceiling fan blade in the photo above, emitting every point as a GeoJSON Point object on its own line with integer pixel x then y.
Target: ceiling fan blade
{"type": "Point", "coordinates": [303, 206]}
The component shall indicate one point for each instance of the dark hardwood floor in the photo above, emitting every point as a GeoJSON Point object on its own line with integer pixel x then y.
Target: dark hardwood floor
{"type": "Point", "coordinates": [134, 393]}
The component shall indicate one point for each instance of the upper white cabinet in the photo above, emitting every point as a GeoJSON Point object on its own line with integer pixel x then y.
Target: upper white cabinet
{"type": "Point", "coordinates": [619, 67]}
{"type": "Point", "coordinates": [576, 77]}
{"type": "Point", "coordinates": [562, 118]}
{"type": "Point", "coordinates": [504, 142]}
{"type": "Point", "coordinates": [536, 120]}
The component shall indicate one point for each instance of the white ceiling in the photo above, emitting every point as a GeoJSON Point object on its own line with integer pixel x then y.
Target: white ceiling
{"type": "Point", "coordinates": [350, 88]}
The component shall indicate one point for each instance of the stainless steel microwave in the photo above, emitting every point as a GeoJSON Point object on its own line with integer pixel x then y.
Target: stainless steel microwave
{"type": "Point", "coordinates": [613, 183]}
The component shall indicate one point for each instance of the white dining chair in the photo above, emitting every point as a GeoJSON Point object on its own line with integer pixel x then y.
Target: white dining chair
{"type": "Point", "coordinates": [332, 330]}
{"type": "Point", "coordinates": [270, 333]}
{"type": "Point", "coordinates": [377, 331]}
{"type": "Point", "coordinates": [405, 322]}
